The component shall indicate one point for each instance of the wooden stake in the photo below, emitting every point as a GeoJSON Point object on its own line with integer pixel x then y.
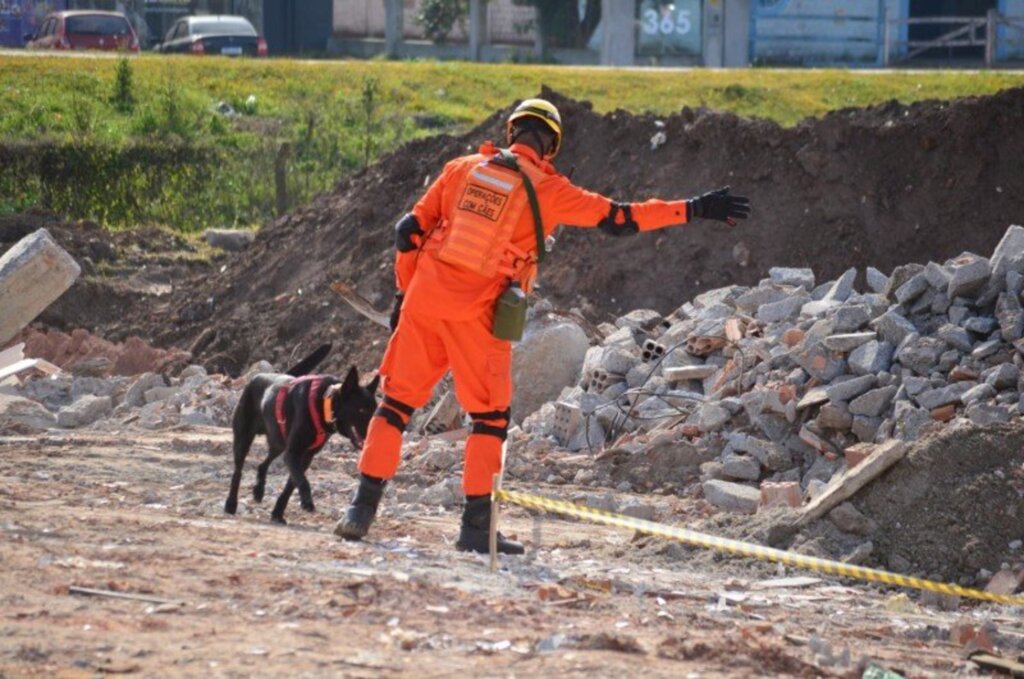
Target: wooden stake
{"type": "Point", "coordinates": [496, 485]}
{"type": "Point", "coordinates": [492, 539]}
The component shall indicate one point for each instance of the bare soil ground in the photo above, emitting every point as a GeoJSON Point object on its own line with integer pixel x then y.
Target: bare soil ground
{"type": "Point", "coordinates": [141, 513]}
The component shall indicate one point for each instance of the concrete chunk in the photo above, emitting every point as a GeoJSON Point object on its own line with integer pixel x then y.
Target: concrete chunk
{"type": "Point", "coordinates": [874, 402]}
{"type": "Point", "coordinates": [850, 341]}
{"type": "Point", "coordinates": [969, 277]}
{"type": "Point", "coordinates": [84, 411]}
{"type": "Point", "coordinates": [877, 280]}
{"type": "Point", "coordinates": [33, 273]}
{"type": "Point", "coordinates": [955, 337]}
{"type": "Point", "coordinates": [912, 289]}
{"type": "Point", "coordinates": [871, 358]}
{"type": "Point", "coordinates": [849, 389]}
{"type": "Point", "coordinates": [732, 497]}
{"type": "Point", "coordinates": [799, 278]}
{"type": "Point", "coordinates": [842, 288]}
{"type": "Point", "coordinates": [1011, 246]}
{"type": "Point", "coordinates": [741, 467]}
{"type": "Point", "coordinates": [690, 372]}
{"type": "Point", "coordinates": [782, 310]}
{"type": "Point", "coordinates": [850, 318]}
{"type": "Point", "coordinates": [935, 398]}
{"type": "Point", "coordinates": [17, 413]}
{"type": "Point", "coordinates": [893, 327]}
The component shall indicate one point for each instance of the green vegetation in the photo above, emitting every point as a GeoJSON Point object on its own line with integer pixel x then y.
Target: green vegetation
{"type": "Point", "coordinates": [127, 124]}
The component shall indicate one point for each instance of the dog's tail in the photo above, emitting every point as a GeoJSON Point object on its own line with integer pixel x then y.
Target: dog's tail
{"type": "Point", "coordinates": [307, 364]}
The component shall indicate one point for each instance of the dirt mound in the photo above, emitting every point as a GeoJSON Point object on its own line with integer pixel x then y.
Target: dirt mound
{"type": "Point", "coordinates": [952, 506]}
{"type": "Point", "coordinates": [874, 186]}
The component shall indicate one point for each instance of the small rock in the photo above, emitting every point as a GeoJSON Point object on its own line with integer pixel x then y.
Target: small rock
{"type": "Point", "coordinates": [229, 239]}
{"type": "Point", "coordinates": [847, 518]}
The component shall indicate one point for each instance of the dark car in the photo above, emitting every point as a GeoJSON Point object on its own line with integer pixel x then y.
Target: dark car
{"type": "Point", "coordinates": [84, 31]}
{"type": "Point", "coordinates": [231, 36]}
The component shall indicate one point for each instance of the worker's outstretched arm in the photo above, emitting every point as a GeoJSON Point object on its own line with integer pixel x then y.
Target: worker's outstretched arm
{"type": "Point", "coordinates": [573, 206]}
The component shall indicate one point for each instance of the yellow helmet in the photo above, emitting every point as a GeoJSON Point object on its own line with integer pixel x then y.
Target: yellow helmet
{"type": "Point", "coordinates": [539, 108]}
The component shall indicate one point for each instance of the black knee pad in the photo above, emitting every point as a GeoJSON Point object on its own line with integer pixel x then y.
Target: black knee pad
{"type": "Point", "coordinates": [390, 408]}
{"type": "Point", "coordinates": [481, 425]}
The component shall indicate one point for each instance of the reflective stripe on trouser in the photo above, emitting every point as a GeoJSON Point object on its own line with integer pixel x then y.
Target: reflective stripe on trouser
{"type": "Point", "coordinates": [419, 353]}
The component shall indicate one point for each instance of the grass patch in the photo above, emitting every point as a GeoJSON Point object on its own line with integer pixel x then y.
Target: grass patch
{"type": "Point", "coordinates": [337, 116]}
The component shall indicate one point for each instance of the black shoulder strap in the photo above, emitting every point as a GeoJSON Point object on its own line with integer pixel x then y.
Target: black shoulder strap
{"type": "Point", "coordinates": [509, 158]}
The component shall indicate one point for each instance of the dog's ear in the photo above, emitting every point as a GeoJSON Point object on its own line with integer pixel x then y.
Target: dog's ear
{"type": "Point", "coordinates": [374, 383]}
{"type": "Point", "coordinates": [351, 382]}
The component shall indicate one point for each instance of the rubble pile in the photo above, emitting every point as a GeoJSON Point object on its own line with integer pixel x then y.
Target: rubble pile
{"type": "Point", "coordinates": [147, 401]}
{"type": "Point", "coordinates": [766, 393]}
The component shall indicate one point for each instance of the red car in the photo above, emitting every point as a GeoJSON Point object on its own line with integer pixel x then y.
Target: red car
{"type": "Point", "coordinates": [85, 30]}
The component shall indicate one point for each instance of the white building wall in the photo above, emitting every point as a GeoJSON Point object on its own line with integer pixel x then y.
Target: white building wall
{"type": "Point", "coordinates": [365, 18]}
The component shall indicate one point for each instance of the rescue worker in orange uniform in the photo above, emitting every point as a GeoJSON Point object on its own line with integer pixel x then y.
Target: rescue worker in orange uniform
{"type": "Point", "coordinates": [468, 238]}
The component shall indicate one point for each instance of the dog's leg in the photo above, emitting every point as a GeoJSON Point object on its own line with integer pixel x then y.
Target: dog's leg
{"type": "Point", "coordinates": [243, 425]}
{"type": "Point", "coordinates": [277, 516]}
{"type": "Point", "coordinates": [298, 464]}
{"type": "Point", "coordinates": [261, 472]}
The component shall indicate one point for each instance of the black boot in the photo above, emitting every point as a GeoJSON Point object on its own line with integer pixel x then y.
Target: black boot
{"type": "Point", "coordinates": [476, 527]}
{"type": "Point", "coordinates": [356, 523]}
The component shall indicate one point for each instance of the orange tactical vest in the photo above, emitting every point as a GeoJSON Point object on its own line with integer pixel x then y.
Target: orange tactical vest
{"type": "Point", "coordinates": [478, 236]}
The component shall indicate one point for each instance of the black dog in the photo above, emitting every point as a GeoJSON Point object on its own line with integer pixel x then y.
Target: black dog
{"type": "Point", "coordinates": [297, 415]}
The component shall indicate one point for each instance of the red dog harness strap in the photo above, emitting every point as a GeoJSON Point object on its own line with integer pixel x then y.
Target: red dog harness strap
{"type": "Point", "coordinates": [316, 417]}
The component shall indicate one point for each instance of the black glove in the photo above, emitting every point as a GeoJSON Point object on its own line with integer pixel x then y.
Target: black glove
{"type": "Point", "coordinates": [407, 227]}
{"type": "Point", "coordinates": [718, 205]}
{"type": "Point", "coordinates": [396, 312]}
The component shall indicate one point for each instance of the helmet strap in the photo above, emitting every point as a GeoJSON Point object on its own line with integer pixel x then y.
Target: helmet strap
{"type": "Point", "coordinates": [538, 139]}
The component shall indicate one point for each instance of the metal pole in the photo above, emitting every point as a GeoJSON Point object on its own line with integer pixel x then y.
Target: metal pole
{"type": "Point", "coordinates": [885, 40]}
{"type": "Point", "coordinates": [991, 26]}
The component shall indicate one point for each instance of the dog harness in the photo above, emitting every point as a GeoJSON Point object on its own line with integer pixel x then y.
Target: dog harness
{"type": "Point", "coordinates": [319, 418]}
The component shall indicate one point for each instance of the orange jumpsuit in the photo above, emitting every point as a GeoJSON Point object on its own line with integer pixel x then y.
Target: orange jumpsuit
{"type": "Point", "coordinates": [447, 315]}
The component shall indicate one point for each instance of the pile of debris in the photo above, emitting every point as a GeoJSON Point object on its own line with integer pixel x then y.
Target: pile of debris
{"type": "Point", "coordinates": [147, 401]}
{"type": "Point", "coordinates": [767, 393]}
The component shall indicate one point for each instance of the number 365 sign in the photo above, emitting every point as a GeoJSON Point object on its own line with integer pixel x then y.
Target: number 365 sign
{"type": "Point", "coordinates": [669, 28]}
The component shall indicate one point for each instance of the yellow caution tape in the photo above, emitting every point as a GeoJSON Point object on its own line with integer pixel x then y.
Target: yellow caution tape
{"type": "Point", "coordinates": [696, 539]}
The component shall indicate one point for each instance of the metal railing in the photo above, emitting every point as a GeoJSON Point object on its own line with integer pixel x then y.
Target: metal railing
{"type": "Point", "coordinates": [963, 32]}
